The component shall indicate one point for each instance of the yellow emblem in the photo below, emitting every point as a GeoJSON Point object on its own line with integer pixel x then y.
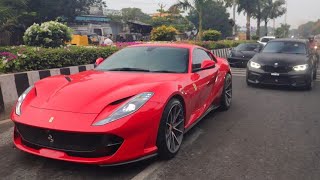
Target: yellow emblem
{"type": "Point", "coordinates": [51, 119]}
{"type": "Point", "coordinates": [195, 86]}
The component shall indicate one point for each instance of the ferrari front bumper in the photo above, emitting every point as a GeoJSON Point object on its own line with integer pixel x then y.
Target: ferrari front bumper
{"type": "Point", "coordinates": [129, 139]}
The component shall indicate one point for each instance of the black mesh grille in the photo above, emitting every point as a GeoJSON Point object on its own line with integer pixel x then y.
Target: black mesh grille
{"type": "Point", "coordinates": [74, 144]}
{"type": "Point", "coordinates": [279, 69]}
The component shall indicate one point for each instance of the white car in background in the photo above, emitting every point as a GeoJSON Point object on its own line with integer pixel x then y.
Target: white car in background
{"type": "Point", "coordinates": [264, 40]}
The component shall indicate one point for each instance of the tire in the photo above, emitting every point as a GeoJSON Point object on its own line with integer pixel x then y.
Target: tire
{"type": "Point", "coordinates": [310, 82]}
{"type": "Point", "coordinates": [166, 150]}
{"type": "Point", "coordinates": [226, 96]}
{"type": "Point", "coordinates": [315, 74]}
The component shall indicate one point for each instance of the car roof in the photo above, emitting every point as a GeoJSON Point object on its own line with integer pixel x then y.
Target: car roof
{"type": "Point", "coordinates": [176, 45]}
{"type": "Point", "coordinates": [268, 37]}
{"type": "Point", "coordinates": [290, 40]}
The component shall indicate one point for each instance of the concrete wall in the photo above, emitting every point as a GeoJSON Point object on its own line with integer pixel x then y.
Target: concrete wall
{"type": "Point", "coordinates": [13, 85]}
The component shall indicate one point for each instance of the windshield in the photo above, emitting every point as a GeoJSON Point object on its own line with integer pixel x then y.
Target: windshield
{"type": "Point", "coordinates": [247, 47]}
{"type": "Point", "coordinates": [285, 47]}
{"type": "Point", "coordinates": [153, 59]}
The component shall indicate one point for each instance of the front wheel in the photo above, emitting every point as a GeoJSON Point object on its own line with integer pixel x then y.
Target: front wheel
{"type": "Point", "coordinates": [171, 130]}
{"type": "Point", "coordinates": [226, 96]}
{"type": "Point", "coordinates": [310, 82]}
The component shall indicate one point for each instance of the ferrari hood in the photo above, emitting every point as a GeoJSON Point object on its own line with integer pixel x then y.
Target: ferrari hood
{"type": "Point", "coordinates": [92, 91]}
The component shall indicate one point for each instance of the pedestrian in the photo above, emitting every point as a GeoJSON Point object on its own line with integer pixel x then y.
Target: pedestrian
{"type": "Point", "coordinates": [108, 41]}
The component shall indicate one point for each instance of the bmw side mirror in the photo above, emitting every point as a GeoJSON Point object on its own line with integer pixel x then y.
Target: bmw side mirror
{"type": "Point", "coordinates": [98, 62]}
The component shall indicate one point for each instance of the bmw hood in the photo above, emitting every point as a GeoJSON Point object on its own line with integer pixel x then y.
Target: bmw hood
{"type": "Point", "coordinates": [92, 91]}
{"type": "Point", "coordinates": [281, 59]}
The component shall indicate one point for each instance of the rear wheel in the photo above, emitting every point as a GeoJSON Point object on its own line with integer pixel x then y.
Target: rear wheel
{"type": "Point", "coordinates": [171, 130]}
{"type": "Point", "coordinates": [226, 97]}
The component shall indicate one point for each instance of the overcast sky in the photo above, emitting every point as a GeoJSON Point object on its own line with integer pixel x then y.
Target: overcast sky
{"type": "Point", "coordinates": [298, 11]}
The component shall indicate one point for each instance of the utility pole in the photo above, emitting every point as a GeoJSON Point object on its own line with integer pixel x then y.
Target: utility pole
{"type": "Point", "coordinates": [234, 18]}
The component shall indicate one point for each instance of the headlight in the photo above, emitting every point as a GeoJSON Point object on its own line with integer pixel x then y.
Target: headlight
{"type": "Point", "coordinates": [255, 65]}
{"type": "Point", "coordinates": [302, 67]}
{"type": "Point", "coordinates": [133, 105]}
{"type": "Point", "coordinates": [21, 99]}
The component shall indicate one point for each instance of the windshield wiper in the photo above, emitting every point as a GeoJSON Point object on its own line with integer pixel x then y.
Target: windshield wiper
{"type": "Point", "coordinates": [164, 71]}
{"type": "Point", "coordinates": [129, 69]}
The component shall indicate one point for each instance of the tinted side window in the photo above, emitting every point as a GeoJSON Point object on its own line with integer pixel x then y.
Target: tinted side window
{"type": "Point", "coordinates": [198, 57]}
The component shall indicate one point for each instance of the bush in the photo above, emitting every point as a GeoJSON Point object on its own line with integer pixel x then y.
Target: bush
{"type": "Point", "coordinates": [25, 58]}
{"type": "Point", "coordinates": [48, 34]}
{"type": "Point", "coordinates": [163, 33]}
{"type": "Point", "coordinates": [211, 35]}
{"type": "Point", "coordinates": [255, 37]}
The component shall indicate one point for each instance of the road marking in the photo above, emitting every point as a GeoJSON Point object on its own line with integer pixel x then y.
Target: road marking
{"type": "Point", "coordinates": [5, 121]}
{"type": "Point", "coordinates": [144, 174]}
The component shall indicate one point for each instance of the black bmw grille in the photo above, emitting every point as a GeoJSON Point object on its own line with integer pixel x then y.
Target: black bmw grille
{"type": "Point", "coordinates": [74, 144]}
{"type": "Point", "coordinates": [279, 69]}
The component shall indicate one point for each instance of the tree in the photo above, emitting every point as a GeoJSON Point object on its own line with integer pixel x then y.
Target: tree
{"type": "Point", "coordinates": [215, 17]}
{"type": "Point", "coordinates": [309, 28]}
{"type": "Point", "coordinates": [248, 7]}
{"type": "Point", "coordinates": [135, 14]}
{"type": "Point", "coordinates": [283, 31]}
{"type": "Point", "coordinates": [258, 15]}
{"type": "Point", "coordinates": [196, 5]}
{"type": "Point", "coordinates": [272, 10]}
{"type": "Point", "coordinates": [48, 10]}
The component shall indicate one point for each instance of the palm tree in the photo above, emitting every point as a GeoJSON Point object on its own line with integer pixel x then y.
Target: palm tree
{"type": "Point", "coordinates": [272, 10]}
{"type": "Point", "coordinates": [196, 5]}
{"type": "Point", "coordinates": [248, 7]}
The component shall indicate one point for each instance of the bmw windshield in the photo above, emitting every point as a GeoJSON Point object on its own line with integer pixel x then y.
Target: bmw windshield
{"type": "Point", "coordinates": [148, 59]}
{"type": "Point", "coordinates": [285, 47]}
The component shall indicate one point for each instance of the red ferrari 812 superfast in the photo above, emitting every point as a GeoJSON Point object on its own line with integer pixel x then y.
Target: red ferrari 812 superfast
{"type": "Point", "coordinates": [136, 104]}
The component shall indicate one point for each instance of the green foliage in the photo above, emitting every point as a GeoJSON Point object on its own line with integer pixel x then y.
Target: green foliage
{"type": "Point", "coordinates": [135, 14]}
{"type": "Point", "coordinates": [255, 37]}
{"type": "Point", "coordinates": [196, 5]}
{"type": "Point", "coordinates": [48, 34]}
{"type": "Point", "coordinates": [163, 33]}
{"type": "Point", "coordinates": [283, 31]}
{"type": "Point", "coordinates": [309, 28]}
{"type": "Point", "coordinates": [36, 58]}
{"type": "Point", "coordinates": [211, 35]}
{"type": "Point", "coordinates": [215, 16]}
{"type": "Point", "coordinates": [177, 21]}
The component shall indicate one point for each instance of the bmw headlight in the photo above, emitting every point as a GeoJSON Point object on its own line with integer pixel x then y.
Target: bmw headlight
{"type": "Point", "coordinates": [133, 105]}
{"type": "Point", "coordinates": [21, 99]}
{"type": "Point", "coordinates": [302, 67]}
{"type": "Point", "coordinates": [255, 65]}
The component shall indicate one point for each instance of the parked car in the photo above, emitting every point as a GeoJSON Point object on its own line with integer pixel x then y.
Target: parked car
{"type": "Point", "coordinates": [136, 104]}
{"type": "Point", "coordinates": [287, 62]}
{"type": "Point", "coordinates": [264, 40]}
{"type": "Point", "coordinates": [240, 55]}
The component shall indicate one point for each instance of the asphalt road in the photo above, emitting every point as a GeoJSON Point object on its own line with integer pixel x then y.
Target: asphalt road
{"type": "Point", "coordinates": [269, 133]}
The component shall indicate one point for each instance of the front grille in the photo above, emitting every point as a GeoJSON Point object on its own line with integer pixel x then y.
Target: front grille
{"type": "Point", "coordinates": [279, 69]}
{"type": "Point", "coordinates": [276, 80]}
{"type": "Point", "coordinates": [74, 144]}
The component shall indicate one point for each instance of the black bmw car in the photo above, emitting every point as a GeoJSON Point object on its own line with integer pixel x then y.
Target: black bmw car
{"type": "Point", "coordinates": [288, 62]}
{"type": "Point", "coordinates": [240, 55]}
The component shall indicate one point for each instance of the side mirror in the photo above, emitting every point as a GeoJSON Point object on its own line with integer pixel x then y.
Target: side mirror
{"type": "Point", "coordinates": [98, 62]}
{"type": "Point", "coordinates": [207, 64]}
